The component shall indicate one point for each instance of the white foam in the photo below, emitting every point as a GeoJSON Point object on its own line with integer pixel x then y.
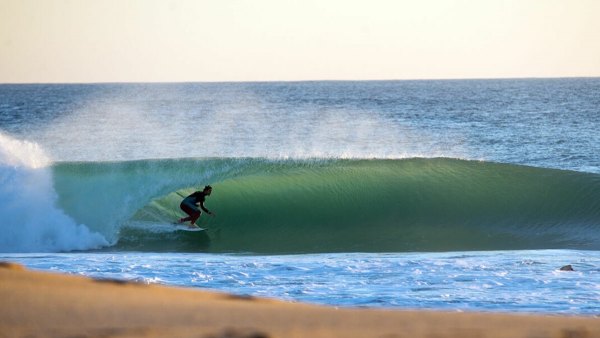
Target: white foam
{"type": "Point", "coordinates": [30, 221]}
{"type": "Point", "coordinates": [15, 152]}
{"type": "Point", "coordinates": [155, 227]}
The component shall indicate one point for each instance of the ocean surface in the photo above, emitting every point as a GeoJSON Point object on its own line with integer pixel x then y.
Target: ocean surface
{"type": "Point", "coordinates": [459, 195]}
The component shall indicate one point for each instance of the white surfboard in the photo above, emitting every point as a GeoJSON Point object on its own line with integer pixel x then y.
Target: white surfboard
{"type": "Point", "coordinates": [184, 227]}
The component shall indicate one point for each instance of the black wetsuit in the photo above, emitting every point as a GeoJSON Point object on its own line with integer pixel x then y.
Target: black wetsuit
{"type": "Point", "coordinates": [190, 206]}
{"type": "Point", "coordinates": [193, 200]}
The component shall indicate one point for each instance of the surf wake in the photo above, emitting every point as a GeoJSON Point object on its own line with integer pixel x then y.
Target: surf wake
{"type": "Point", "coordinates": [334, 205]}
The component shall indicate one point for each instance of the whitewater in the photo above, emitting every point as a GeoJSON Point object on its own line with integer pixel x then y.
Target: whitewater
{"type": "Point", "coordinates": [436, 194]}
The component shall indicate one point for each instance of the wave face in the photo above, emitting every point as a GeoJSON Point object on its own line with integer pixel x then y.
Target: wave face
{"type": "Point", "coordinates": [303, 206]}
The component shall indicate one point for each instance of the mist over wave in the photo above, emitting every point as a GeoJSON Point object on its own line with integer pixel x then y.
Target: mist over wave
{"type": "Point", "coordinates": [269, 120]}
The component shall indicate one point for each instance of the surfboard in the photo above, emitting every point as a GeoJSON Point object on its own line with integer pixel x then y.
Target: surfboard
{"type": "Point", "coordinates": [184, 227]}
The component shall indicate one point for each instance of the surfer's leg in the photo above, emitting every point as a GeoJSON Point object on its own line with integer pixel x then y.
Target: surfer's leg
{"type": "Point", "coordinates": [185, 209]}
{"type": "Point", "coordinates": [193, 213]}
{"type": "Point", "coordinates": [194, 218]}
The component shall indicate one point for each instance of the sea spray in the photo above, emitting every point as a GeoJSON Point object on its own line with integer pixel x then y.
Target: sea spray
{"type": "Point", "coordinates": [30, 220]}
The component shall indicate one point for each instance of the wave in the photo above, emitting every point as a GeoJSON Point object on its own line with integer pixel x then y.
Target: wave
{"type": "Point", "coordinates": [334, 205]}
{"type": "Point", "coordinates": [291, 205]}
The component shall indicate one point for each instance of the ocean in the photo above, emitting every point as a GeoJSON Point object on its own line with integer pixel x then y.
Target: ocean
{"type": "Point", "coordinates": [458, 195]}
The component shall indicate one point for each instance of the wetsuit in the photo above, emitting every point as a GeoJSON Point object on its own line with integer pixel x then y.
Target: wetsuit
{"type": "Point", "coordinates": [190, 206]}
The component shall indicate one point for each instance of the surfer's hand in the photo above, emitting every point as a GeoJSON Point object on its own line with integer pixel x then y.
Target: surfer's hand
{"type": "Point", "coordinates": [212, 214]}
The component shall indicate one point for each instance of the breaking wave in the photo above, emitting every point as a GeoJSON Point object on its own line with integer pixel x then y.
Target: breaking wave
{"type": "Point", "coordinates": [334, 205]}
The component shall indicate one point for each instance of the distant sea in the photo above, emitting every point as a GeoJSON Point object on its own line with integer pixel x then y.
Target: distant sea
{"type": "Point", "coordinates": [460, 195]}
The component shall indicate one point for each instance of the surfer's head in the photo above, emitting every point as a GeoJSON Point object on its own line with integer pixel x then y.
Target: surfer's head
{"type": "Point", "coordinates": [207, 189]}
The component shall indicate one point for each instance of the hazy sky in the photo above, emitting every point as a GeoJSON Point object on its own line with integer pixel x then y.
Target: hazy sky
{"type": "Point", "coordinates": [255, 40]}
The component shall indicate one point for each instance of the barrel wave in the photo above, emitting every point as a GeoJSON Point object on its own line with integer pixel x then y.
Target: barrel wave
{"type": "Point", "coordinates": [334, 205]}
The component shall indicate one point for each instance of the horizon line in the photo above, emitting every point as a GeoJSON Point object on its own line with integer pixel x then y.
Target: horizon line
{"type": "Point", "coordinates": [305, 81]}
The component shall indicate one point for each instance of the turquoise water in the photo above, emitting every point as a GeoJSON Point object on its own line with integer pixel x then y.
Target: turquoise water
{"type": "Point", "coordinates": [313, 206]}
{"type": "Point", "coordinates": [454, 195]}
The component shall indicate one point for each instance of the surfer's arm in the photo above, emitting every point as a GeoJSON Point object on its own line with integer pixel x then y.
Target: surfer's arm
{"type": "Point", "coordinates": [204, 208]}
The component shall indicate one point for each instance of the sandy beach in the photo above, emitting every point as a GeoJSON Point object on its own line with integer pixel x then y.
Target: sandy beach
{"type": "Point", "coordinates": [42, 304]}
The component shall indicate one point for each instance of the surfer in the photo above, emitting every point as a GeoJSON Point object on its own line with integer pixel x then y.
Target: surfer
{"type": "Point", "coordinates": [190, 206]}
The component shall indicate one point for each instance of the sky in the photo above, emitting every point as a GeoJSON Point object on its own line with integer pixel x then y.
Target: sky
{"type": "Point", "coordinates": [48, 41]}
